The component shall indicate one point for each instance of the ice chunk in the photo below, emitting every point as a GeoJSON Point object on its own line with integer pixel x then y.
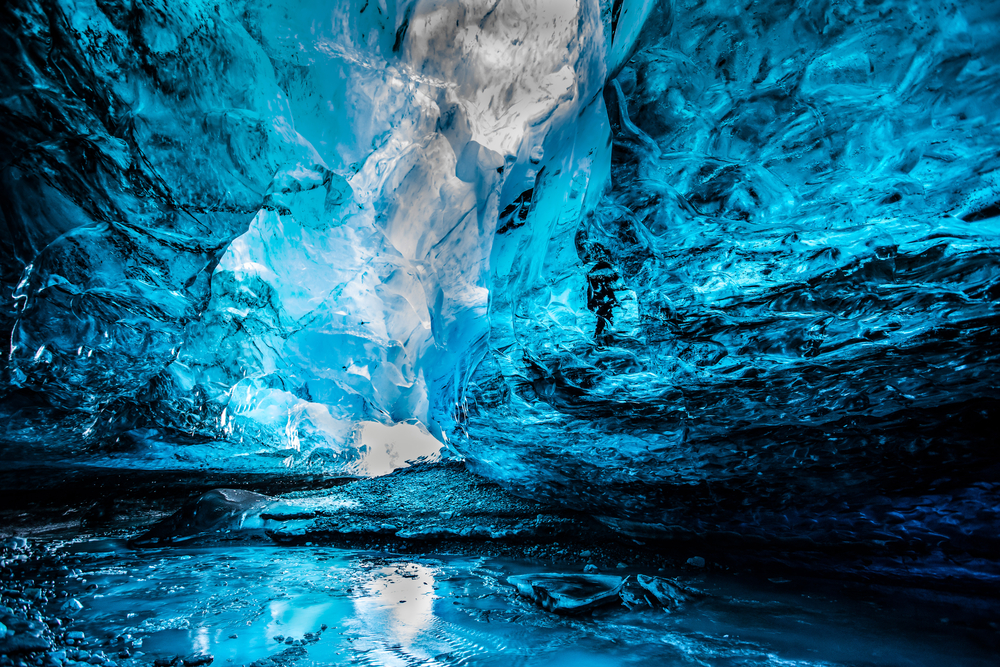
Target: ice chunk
{"type": "Point", "coordinates": [216, 512]}
{"type": "Point", "coordinates": [279, 228]}
{"type": "Point", "coordinates": [666, 592]}
{"type": "Point", "coordinates": [568, 593]}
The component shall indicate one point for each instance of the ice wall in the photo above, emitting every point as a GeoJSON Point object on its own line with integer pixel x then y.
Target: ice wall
{"type": "Point", "coordinates": [270, 227]}
{"type": "Point", "coordinates": [803, 230]}
{"type": "Point", "coordinates": [366, 297]}
{"type": "Point", "coordinates": [272, 223]}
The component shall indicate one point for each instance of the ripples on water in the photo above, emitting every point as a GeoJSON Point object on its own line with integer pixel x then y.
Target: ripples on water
{"type": "Point", "coordinates": [382, 609]}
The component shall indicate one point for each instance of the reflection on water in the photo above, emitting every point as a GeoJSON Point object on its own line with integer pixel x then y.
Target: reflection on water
{"type": "Point", "coordinates": [396, 606]}
{"type": "Point", "coordinates": [322, 606]}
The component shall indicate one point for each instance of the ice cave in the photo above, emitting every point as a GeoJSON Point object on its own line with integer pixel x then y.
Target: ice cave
{"type": "Point", "coordinates": [499, 332]}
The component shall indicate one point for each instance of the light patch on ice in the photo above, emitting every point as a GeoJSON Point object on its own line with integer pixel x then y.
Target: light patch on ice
{"type": "Point", "coordinates": [387, 448]}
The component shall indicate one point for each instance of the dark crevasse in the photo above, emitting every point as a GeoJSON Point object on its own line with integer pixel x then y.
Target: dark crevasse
{"type": "Point", "coordinates": [247, 235]}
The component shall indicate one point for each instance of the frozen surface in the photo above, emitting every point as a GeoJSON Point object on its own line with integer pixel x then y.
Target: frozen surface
{"type": "Point", "coordinates": [245, 605]}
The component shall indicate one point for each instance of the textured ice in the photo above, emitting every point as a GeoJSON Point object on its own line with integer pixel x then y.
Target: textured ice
{"type": "Point", "coordinates": [568, 593]}
{"type": "Point", "coordinates": [376, 142]}
{"type": "Point", "coordinates": [373, 140]}
{"type": "Point", "coordinates": [688, 264]}
{"type": "Point", "coordinates": [801, 235]}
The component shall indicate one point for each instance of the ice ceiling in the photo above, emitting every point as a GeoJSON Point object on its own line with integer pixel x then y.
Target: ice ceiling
{"type": "Point", "coordinates": [265, 227]}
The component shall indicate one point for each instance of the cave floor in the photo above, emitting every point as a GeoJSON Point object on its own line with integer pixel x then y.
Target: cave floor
{"type": "Point", "coordinates": [375, 572]}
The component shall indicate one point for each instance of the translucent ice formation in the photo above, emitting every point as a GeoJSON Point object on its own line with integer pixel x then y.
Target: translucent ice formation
{"type": "Point", "coordinates": [801, 242]}
{"type": "Point", "coordinates": [687, 264]}
{"type": "Point", "coordinates": [366, 297]}
{"type": "Point", "coordinates": [380, 140]}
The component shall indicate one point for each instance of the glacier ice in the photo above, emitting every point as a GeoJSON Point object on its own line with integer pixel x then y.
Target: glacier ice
{"type": "Point", "coordinates": [568, 593]}
{"type": "Point", "coordinates": [803, 215]}
{"type": "Point", "coordinates": [375, 152]}
{"type": "Point", "coordinates": [276, 227]}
